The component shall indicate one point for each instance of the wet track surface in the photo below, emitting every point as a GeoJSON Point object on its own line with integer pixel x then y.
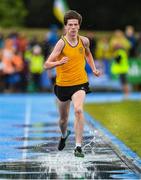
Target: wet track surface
{"type": "Point", "coordinates": [29, 136]}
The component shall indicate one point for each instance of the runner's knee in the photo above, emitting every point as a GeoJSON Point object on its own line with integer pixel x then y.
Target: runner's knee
{"type": "Point", "coordinates": [78, 112]}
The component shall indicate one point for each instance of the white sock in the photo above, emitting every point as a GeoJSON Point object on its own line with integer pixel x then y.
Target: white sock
{"type": "Point", "coordinates": [78, 144]}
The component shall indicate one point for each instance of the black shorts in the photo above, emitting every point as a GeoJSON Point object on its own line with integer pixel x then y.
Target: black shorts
{"type": "Point", "coordinates": [65, 93]}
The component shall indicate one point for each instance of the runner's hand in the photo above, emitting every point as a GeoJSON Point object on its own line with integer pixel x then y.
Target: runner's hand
{"type": "Point", "coordinates": [97, 73]}
{"type": "Point", "coordinates": [64, 60]}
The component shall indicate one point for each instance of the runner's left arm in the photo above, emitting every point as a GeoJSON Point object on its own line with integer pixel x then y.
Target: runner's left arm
{"type": "Point", "coordinates": [89, 56]}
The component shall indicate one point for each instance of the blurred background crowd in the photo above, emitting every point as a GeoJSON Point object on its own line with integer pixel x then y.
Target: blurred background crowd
{"type": "Point", "coordinates": [115, 45]}
{"type": "Point", "coordinates": [22, 59]}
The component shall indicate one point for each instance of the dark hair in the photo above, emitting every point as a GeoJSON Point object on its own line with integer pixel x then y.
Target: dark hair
{"type": "Point", "coordinates": [71, 14]}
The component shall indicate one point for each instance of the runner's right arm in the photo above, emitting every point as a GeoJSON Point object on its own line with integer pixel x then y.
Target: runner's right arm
{"type": "Point", "coordinates": [52, 61]}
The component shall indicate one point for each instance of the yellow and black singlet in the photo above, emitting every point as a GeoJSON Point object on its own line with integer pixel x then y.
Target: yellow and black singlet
{"type": "Point", "coordinates": [73, 72]}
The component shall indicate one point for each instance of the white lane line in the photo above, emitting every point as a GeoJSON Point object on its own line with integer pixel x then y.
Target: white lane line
{"type": "Point", "coordinates": [26, 128]}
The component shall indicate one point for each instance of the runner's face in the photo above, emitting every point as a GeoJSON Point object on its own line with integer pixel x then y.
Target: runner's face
{"type": "Point", "coordinates": [72, 27]}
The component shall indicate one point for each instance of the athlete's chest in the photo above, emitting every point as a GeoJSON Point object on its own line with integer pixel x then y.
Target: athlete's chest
{"type": "Point", "coordinates": [74, 52]}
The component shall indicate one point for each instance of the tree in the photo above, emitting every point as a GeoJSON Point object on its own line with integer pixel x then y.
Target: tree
{"type": "Point", "coordinates": [12, 13]}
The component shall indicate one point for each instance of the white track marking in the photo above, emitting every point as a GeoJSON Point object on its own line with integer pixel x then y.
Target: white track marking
{"type": "Point", "coordinates": [26, 128]}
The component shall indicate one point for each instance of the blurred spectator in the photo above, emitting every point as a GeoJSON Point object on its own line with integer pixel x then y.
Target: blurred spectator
{"type": "Point", "coordinates": [36, 60]}
{"type": "Point", "coordinates": [120, 67]}
{"type": "Point", "coordinates": [118, 40]}
{"type": "Point", "coordinates": [12, 66]}
{"type": "Point", "coordinates": [103, 51]}
{"type": "Point", "coordinates": [33, 41]}
{"type": "Point", "coordinates": [130, 35]}
{"type": "Point", "coordinates": [52, 36]}
{"type": "Point", "coordinates": [18, 63]}
{"type": "Point", "coordinates": [50, 40]}
{"type": "Point", "coordinates": [14, 37]}
{"type": "Point", "coordinates": [6, 63]}
{"type": "Point", "coordinates": [22, 43]}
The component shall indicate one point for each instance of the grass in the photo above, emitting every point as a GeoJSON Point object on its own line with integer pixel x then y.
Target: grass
{"type": "Point", "coordinates": [123, 119]}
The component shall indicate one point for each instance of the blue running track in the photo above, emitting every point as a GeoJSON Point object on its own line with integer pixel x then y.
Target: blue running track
{"type": "Point", "coordinates": [29, 136]}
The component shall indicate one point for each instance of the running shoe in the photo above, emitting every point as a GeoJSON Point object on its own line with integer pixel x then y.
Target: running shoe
{"type": "Point", "coordinates": [62, 141]}
{"type": "Point", "coordinates": [78, 152]}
